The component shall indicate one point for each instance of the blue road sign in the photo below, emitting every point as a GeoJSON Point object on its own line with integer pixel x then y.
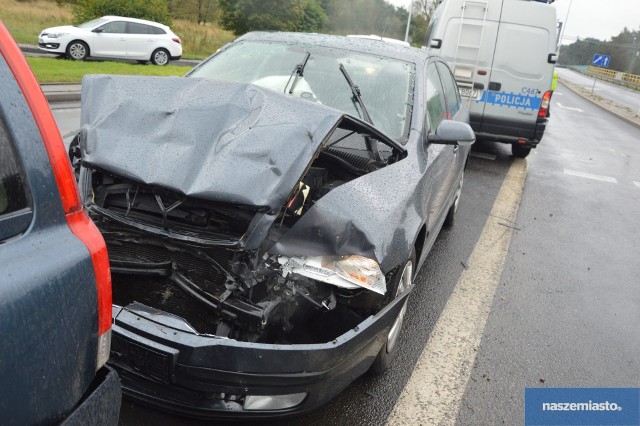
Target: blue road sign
{"type": "Point", "coordinates": [600, 60]}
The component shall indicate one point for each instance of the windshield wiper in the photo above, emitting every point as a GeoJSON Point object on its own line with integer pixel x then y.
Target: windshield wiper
{"type": "Point", "coordinates": [372, 145]}
{"type": "Point", "coordinates": [357, 98]}
{"type": "Point", "coordinates": [298, 70]}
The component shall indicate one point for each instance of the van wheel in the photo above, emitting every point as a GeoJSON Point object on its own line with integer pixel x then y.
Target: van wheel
{"type": "Point", "coordinates": [520, 151]}
{"type": "Point", "coordinates": [402, 280]}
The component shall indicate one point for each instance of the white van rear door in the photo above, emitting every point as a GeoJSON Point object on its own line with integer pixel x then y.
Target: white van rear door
{"type": "Point", "coordinates": [521, 72]}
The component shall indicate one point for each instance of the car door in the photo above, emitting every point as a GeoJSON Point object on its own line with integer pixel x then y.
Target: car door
{"type": "Point", "coordinates": [141, 39]}
{"type": "Point", "coordinates": [110, 40]}
{"type": "Point", "coordinates": [455, 111]}
{"type": "Point", "coordinates": [440, 158]}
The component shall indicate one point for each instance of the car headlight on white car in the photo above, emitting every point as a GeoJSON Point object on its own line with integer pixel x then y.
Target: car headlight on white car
{"type": "Point", "coordinates": [342, 271]}
{"type": "Point", "coordinates": [57, 35]}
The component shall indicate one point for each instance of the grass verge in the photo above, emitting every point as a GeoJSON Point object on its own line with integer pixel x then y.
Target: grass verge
{"type": "Point", "coordinates": [49, 70]}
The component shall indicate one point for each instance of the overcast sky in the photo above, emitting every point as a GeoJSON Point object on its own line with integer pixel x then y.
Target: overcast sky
{"type": "Point", "coordinates": [589, 18]}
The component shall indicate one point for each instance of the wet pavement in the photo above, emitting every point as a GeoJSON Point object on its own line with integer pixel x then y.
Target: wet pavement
{"type": "Point", "coordinates": [620, 95]}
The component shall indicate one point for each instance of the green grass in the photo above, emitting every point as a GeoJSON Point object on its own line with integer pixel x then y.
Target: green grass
{"type": "Point", "coordinates": [25, 20]}
{"type": "Point", "coordinates": [48, 70]}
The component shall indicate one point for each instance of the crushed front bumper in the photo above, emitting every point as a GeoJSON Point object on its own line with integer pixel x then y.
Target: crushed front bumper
{"type": "Point", "coordinates": [163, 362]}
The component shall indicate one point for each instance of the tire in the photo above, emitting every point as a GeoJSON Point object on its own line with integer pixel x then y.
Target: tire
{"type": "Point", "coordinates": [451, 214]}
{"type": "Point", "coordinates": [402, 280]}
{"type": "Point", "coordinates": [160, 57]}
{"type": "Point", "coordinates": [77, 50]}
{"type": "Point", "coordinates": [520, 151]}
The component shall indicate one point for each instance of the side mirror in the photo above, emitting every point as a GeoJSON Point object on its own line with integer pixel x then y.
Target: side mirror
{"type": "Point", "coordinates": [451, 132]}
{"type": "Point", "coordinates": [98, 30]}
{"type": "Point", "coordinates": [435, 43]}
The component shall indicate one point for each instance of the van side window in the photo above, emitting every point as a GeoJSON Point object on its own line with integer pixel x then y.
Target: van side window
{"type": "Point", "coordinates": [451, 93]}
{"type": "Point", "coordinates": [15, 200]}
{"type": "Point", "coordinates": [436, 106]}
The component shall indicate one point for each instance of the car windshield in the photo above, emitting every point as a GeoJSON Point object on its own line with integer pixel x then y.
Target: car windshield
{"type": "Point", "coordinates": [386, 84]}
{"type": "Point", "coordinates": [92, 23]}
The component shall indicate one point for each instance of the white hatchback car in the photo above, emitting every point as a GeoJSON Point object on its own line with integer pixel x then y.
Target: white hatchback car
{"type": "Point", "coordinates": [114, 37]}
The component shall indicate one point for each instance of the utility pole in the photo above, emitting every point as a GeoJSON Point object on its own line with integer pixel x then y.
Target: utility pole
{"type": "Point", "coordinates": [565, 21]}
{"type": "Point", "coordinates": [406, 35]}
{"type": "Point", "coordinates": [633, 58]}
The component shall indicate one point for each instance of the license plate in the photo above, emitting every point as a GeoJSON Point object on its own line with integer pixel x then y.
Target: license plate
{"type": "Point", "coordinates": [468, 92]}
{"type": "Point", "coordinates": [147, 361]}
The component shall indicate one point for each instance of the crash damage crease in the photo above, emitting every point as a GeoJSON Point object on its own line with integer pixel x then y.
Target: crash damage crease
{"type": "Point", "coordinates": [201, 187]}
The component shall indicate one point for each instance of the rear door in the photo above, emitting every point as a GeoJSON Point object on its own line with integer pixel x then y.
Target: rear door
{"type": "Point", "coordinates": [141, 40]}
{"type": "Point", "coordinates": [469, 30]}
{"type": "Point", "coordinates": [521, 71]}
{"type": "Point", "coordinates": [48, 296]}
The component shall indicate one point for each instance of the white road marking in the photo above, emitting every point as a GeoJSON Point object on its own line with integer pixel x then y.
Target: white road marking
{"type": "Point", "coordinates": [557, 94]}
{"type": "Point", "coordinates": [590, 176]}
{"type": "Point", "coordinates": [569, 108]}
{"type": "Point", "coordinates": [636, 184]}
{"type": "Point", "coordinates": [483, 155]}
{"type": "Point", "coordinates": [435, 389]}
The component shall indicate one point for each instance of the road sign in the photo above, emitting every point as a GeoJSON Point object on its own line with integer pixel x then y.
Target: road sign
{"type": "Point", "coordinates": [600, 60]}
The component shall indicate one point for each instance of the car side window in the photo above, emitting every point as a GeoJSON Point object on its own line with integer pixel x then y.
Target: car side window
{"type": "Point", "coordinates": [135, 28]}
{"type": "Point", "coordinates": [156, 30]}
{"type": "Point", "coordinates": [116, 27]}
{"type": "Point", "coordinates": [15, 199]}
{"type": "Point", "coordinates": [451, 93]}
{"type": "Point", "coordinates": [436, 106]}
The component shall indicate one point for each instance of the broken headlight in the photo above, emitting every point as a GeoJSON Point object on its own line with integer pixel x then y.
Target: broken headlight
{"type": "Point", "coordinates": [342, 271]}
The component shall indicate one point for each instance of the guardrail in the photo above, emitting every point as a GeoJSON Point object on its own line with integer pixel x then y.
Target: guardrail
{"type": "Point", "coordinates": [617, 77]}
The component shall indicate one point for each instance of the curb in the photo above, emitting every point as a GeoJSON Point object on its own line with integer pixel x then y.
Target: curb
{"type": "Point", "coordinates": [34, 50]}
{"type": "Point", "coordinates": [53, 98]}
{"type": "Point", "coordinates": [621, 117]}
{"type": "Point", "coordinates": [73, 94]}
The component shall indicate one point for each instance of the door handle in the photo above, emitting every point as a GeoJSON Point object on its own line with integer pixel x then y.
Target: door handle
{"type": "Point", "coordinates": [123, 39]}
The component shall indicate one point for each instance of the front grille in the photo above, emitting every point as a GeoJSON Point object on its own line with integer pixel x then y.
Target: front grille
{"type": "Point", "coordinates": [197, 268]}
{"type": "Point", "coordinates": [162, 294]}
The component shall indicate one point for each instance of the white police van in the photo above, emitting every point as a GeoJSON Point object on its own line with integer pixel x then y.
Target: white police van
{"type": "Point", "coordinates": [503, 54]}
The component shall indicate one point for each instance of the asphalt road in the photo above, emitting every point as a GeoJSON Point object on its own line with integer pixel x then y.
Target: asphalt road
{"type": "Point", "coordinates": [618, 94]}
{"type": "Point", "coordinates": [567, 306]}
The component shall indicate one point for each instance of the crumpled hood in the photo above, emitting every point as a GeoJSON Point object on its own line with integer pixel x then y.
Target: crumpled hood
{"type": "Point", "coordinates": [228, 142]}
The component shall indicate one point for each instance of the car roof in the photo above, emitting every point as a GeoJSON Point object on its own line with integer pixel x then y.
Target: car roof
{"type": "Point", "coordinates": [139, 21]}
{"type": "Point", "coordinates": [357, 44]}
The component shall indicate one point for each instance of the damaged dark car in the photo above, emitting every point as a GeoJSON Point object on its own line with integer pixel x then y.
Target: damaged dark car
{"type": "Point", "coordinates": [266, 215]}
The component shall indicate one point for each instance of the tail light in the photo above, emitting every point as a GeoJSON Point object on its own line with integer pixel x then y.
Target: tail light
{"type": "Point", "coordinates": [544, 104]}
{"type": "Point", "coordinates": [77, 220]}
{"type": "Point", "coordinates": [176, 39]}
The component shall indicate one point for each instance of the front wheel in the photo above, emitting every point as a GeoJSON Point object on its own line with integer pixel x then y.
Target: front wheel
{"type": "Point", "coordinates": [520, 151]}
{"type": "Point", "coordinates": [160, 57]}
{"type": "Point", "coordinates": [401, 282]}
{"type": "Point", "coordinates": [77, 50]}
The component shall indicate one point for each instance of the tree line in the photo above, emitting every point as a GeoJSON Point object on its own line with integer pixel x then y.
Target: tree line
{"type": "Point", "coordinates": [241, 16]}
{"type": "Point", "coordinates": [624, 50]}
